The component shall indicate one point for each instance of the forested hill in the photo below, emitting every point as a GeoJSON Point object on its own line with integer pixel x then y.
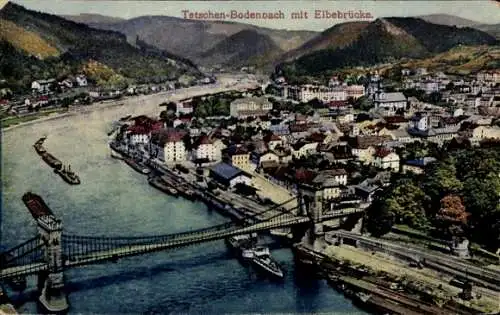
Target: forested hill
{"type": "Point", "coordinates": [387, 40]}
{"type": "Point", "coordinates": [37, 45]}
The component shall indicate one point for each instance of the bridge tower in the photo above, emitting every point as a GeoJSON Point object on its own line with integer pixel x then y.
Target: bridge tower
{"type": "Point", "coordinates": [52, 297]}
{"type": "Point", "coordinates": [311, 204]}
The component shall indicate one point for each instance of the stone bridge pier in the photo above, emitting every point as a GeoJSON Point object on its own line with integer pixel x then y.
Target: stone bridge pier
{"type": "Point", "coordinates": [51, 282]}
{"type": "Point", "coordinates": [310, 199]}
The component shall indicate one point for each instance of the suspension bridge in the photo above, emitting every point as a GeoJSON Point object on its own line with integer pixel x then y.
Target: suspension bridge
{"type": "Point", "coordinates": [52, 251]}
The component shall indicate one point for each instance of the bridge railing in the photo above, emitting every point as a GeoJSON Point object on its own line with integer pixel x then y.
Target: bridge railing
{"type": "Point", "coordinates": [24, 253]}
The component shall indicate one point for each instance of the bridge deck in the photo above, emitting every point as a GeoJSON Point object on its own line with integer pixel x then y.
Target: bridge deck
{"type": "Point", "coordinates": [143, 245]}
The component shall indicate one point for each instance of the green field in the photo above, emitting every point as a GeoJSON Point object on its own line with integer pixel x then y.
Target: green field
{"type": "Point", "coordinates": [14, 120]}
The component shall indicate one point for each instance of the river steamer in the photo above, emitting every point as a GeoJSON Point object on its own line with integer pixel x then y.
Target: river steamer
{"type": "Point", "coordinates": [261, 260]}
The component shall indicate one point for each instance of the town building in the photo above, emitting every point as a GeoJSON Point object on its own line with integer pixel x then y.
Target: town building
{"type": "Point", "coordinates": [205, 149]}
{"type": "Point", "coordinates": [303, 148]}
{"type": "Point", "coordinates": [229, 176]}
{"type": "Point", "coordinates": [355, 91]}
{"type": "Point", "coordinates": [390, 103]}
{"type": "Point", "coordinates": [308, 92]}
{"type": "Point", "coordinates": [168, 146]}
{"type": "Point", "coordinates": [250, 106]}
{"type": "Point", "coordinates": [332, 182]}
{"type": "Point", "coordinates": [81, 80]}
{"type": "Point", "coordinates": [386, 159]}
{"type": "Point", "coordinates": [237, 155]}
{"type": "Point", "coordinates": [417, 166]}
{"type": "Point", "coordinates": [485, 132]}
{"type": "Point", "coordinates": [42, 86]}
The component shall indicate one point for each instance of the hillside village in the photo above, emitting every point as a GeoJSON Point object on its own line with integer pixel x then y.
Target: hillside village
{"type": "Point", "coordinates": [347, 151]}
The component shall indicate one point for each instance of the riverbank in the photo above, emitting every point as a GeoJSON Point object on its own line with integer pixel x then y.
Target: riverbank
{"type": "Point", "coordinates": [140, 104]}
{"type": "Point", "coordinates": [381, 283]}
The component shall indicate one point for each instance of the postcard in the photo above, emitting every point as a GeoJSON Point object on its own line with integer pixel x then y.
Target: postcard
{"type": "Point", "coordinates": [249, 157]}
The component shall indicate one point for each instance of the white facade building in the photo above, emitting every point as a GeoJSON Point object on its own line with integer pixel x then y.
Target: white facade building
{"type": "Point", "coordinates": [168, 146]}
{"type": "Point", "coordinates": [250, 106]}
{"type": "Point", "coordinates": [390, 102]}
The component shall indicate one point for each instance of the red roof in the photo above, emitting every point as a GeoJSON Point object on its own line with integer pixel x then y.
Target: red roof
{"type": "Point", "coordinates": [143, 120]}
{"type": "Point", "coordinates": [382, 152]}
{"type": "Point", "coordinates": [43, 98]}
{"type": "Point", "coordinates": [274, 138]}
{"type": "Point", "coordinates": [138, 130]}
{"type": "Point", "coordinates": [335, 104]}
{"type": "Point", "coordinates": [303, 175]}
{"type": "Point", "coordinates": [4, 102]}
{"type": "Point", "coordinates": [395, 119]}
{"type": "Point", "coordinates": [204, 140]}
{"type": "Point", "coordinates": [317, 137]}
{"type": "Point", "coordinates": [160, 137]}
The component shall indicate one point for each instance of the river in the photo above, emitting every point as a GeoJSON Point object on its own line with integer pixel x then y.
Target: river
{"type": "Point", "coordinates": [114, 200]}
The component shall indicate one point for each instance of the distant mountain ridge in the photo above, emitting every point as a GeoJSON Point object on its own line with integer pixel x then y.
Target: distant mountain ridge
{"type": "Point", "coordinates": [193, 39]}
{"type": "Point", "coordinates": [451, 20]}
{"type": "Point", "coordinates": [447, 19]}
{"type": "Point", "coordinates": [92, 18]}
{"type": "Point", "coordinates": [76, 44]}
{"type": "Point", "coordinates": [385, 40]}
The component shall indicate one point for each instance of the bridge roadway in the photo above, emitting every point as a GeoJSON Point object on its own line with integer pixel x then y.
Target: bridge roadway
{"type": "Point", "coordinates": [125, 251]}
{"type": "Point", "coordinates": [173, 241]}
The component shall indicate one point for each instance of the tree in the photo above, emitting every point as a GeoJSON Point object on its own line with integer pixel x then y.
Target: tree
{"type": "Point", "coordinates": [451, 218]}
{"type": "Point", "coordinates": [188, 143]}
{"type": "Point", "coordinates": [481, 198]}
{"type": "Point", "coordinates": [363, 103]}
{"type": "Point", "coordinates": [440, 181]}
{"type": "Point", "coordinates": [406, 202]}
{"type": "Point", "coordinates": [379, 219]}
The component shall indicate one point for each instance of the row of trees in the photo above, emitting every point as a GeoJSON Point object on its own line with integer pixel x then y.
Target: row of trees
{"type": "Point", "coordinates": [456, 197]}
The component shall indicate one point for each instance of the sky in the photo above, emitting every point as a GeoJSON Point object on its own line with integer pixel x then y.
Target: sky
{"type": "Point", "coordinates": [483, 11]}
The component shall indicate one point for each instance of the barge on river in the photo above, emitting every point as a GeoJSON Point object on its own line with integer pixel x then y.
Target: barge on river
{"type": "Point", "coordinates": [51, 160]}
{"type": "Point", "coordinates": [138, 166]}
{"type": "Point", "coordinates": [161, 185]}
{"type": "Point", "coordinates": [68, 175]}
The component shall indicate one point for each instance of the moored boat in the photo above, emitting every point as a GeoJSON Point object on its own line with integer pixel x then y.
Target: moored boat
{"type": "Point", "coordinates": [138, 166]}
{"type": "Point", "coordinates": [261, 259]}
{"type": "Point", "coordinates": [159, 184]}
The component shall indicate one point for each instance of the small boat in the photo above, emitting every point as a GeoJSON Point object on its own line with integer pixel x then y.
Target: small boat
{"type": "Point", "coordinates": [261, 259]}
